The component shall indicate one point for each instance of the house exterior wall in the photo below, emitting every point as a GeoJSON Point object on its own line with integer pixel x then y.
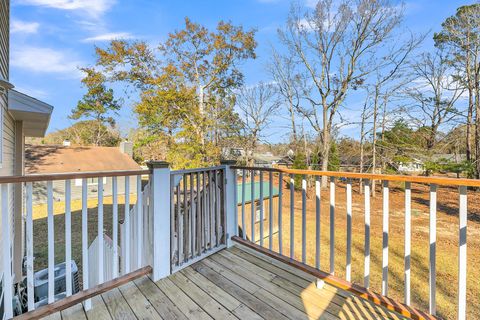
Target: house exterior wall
{"type": "Point", "coordinates": [7, 123]}
{"type": "Point", "coordinates": [40, 189]}
{"type": "Point", "coordinates": [266, 220]}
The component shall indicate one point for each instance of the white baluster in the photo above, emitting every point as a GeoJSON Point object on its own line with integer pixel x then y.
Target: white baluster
{"type": "Point", "coordinates": [100, 270]}
{"type": "Point", "coordinates": [348, 271]}
{"type": "Point", "coordinates": [270, 210]}
{"type": "Point", "coordinates": [127, 226]}
{"type": "Point", "coordinates": [252, 206]}
{"type": "Point", "coordinates": [29, 237]}
{"type": "Point", "coordinates": [115, 226]}
{"type": "Point", "coordinates": [235, 200]}
{"type": "Point", "coordinates": [366, 274]}
{"type": "Point", "coordinates": [408, 237]}
{"type": "Point", "coordinates": [433, 249]}
{"type": "Point", "coordinates": [304, 219]}
{"type": "Point", "coordinates": [317, 221]}
{"type": "Point", "coordinates": [332, 225]}
{"type": "Point", "coordinates": [88, 303]}
{"type": "Point", "coordinates": [244, 233]}
{"type": "Point", "coordinates": [261, 208]}
{"type": "Point", "coordinates": [140, 230]}
{"type": "Point", "coordinates": [51, 242]}
{"type": "Point", "coordinates": [462, 255]}
{"type": "Point", "coordinates": [292, 216]}
{"type": "Point", "coordinates": [385, 239]}
{"type": "Point", "coordinates": [68, 237]}
{"type": "Point", "coordinates": [7, 257]}
{"type": "Point", "coordinates": [280, 220]}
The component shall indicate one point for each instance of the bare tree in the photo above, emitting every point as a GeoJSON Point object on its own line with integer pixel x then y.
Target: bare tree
{"type": "Point", "coordinates": [366, 114]}
{"type": "Point", "coordinates": [283, 70]}
{"type": "Point", "coordinates": [460, 34]}
{"type": "Point", "coordinates": [389, 76]}
{"type": "Point", "coordinates": [257, 105]}
{"type": "Point", "coordinates": [336, 47]}
{"type": "Point", "coordinates": [434, 94]}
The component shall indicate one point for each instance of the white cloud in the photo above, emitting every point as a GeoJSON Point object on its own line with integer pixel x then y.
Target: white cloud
{"type": "Point", "coordinates": [18, 26]}
{"type": "Point", "coordinates": [94, 8]}
{"type": "Point", "coordinates": [46, 60]}
{"type": "Point", "coordinates": [109, 36]}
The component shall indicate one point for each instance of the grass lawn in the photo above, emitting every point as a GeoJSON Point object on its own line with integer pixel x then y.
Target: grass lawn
{"type": "Point", "coordinates": [40, 228]}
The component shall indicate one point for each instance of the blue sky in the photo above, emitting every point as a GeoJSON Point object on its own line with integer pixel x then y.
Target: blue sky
{"type": "Point", "coordinates": [50, 39]}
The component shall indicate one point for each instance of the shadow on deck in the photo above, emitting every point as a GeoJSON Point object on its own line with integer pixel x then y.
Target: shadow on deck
{"type": "Point", "coordinates": [235, 283]}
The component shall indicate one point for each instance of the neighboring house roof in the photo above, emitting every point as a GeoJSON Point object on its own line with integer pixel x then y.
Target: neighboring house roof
{"type": "Point", "coordinates": [57, 159]}
{"type": "Point", "coordinates": [256, 193]}
{"type": "Point", "coordinates": [265, 158]}
{"type": "Point", "coordinates": [34, 113]}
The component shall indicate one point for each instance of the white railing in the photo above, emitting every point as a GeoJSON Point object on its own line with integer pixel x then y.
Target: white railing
{"type": "Point", "coordinates": [95, 272]}
{"type": "Point", "coordinates": [179, 217]}
{"type": "Point", "coordinates": [347, 178]}
{"type": "Point", "coordinates": [197, 214]}
{"type": "Point", "coordinates": [140, 234]}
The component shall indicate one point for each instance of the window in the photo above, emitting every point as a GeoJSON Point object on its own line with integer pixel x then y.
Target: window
{"type": "Point", "coordinates": [90, 182]}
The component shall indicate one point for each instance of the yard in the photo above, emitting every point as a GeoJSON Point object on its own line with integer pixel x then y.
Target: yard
{"type": "Point", "coordinates": [447, 240]}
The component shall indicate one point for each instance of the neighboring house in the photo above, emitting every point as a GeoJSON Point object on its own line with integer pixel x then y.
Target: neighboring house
{"type": "Point", "coordinates": [415, 166]}
{"type": "Point", "coordinates": [257, 200]}
{"type": "Point", "coordinates": [44, 159]}
{"type": "Point", "coordinates": [20, 116]}
{"type": "Point", "coordinates": [266, 160]}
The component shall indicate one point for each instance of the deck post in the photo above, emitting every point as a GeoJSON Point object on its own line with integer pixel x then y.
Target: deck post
{"type": "Point", "coordinates": [230, 205]}
{"type": "Point", "coordinates": [160, 206]}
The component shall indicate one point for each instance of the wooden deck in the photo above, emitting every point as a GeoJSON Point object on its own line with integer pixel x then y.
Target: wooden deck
{"type": "Point", "coordinates": [235, 283]}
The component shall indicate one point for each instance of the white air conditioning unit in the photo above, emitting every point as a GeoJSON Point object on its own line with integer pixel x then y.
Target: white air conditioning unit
{"type": "Point", "coordinates": [41, 282]}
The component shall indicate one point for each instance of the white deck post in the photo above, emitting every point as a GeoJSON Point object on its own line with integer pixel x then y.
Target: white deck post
{"type": "Point", "coordinates": [160, 204]}
{"type": "Point", "coordinates": [230, 205]}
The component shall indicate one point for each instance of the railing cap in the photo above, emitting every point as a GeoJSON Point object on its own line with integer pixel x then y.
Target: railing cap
{"type": "Point", "coordinates": [228, 162]}
{"type": "Point", "coordinates": [158, 164]}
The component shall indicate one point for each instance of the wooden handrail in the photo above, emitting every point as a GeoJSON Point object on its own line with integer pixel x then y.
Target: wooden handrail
{"type": "Point", "coordinates": [84, 295]}
{"type": "Point", "coordinates": [370, 176]}
{"type": "Point", "coordinates": [71, 175]}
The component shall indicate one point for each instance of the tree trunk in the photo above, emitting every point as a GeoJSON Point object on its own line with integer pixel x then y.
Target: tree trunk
{"type": "Point", "coordinates": [325, 154]}
{"type": "Point", "coordinates": [469, 125]}
{"type": "Point", "coordinates": [374, 140]}
{"type": "Point", "coordinates": [201, 109]}
{"type": "Point", "coordinates": [362, 147]}
{"type": "Point", "coordinates": [477, 134]}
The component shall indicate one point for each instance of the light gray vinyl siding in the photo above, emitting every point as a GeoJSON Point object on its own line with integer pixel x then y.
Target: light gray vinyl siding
{"type": "Point", "coordinates": [40, 189]}
{"type": "Point", "coordinates": [8, 125]}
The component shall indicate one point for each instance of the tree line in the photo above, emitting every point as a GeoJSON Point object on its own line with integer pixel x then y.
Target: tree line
{"type": "Point", "coordinates": [343, 64]}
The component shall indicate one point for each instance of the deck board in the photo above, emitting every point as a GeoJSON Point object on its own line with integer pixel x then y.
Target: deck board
{"type": "Point", "coordinates": [140, 306]}
{"type": "Point", "coordinates": [236, 283]}
{"type": "Point", "coordinates": [162, 304]}
{"type": "Point", "coordinates": [117, 306]}
{"type": "Point", "coordinates": [99, 310]}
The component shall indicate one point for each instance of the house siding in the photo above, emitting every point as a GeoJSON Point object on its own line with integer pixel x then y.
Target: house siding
{"type": "Point", "coordinates": [40, 189]}
{"type": "Point", "coordinates": [8, 125]}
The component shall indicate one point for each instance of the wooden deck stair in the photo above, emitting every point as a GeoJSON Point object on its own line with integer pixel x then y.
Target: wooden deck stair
{"type": "Point", "coordinates": [235, 283]}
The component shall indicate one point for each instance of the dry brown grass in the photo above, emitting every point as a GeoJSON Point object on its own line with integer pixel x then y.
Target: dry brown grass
{"type": "Point", "coordinates": [447, 243]}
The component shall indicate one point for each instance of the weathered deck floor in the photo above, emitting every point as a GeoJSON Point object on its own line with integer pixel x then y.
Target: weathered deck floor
{"type": "Point", "coordinates": [233, 284]}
